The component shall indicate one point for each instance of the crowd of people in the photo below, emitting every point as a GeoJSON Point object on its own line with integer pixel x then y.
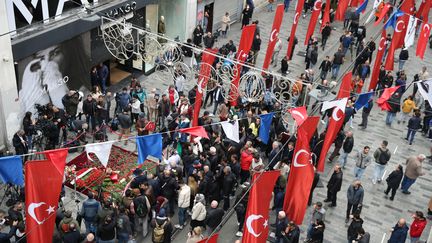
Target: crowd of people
{"type": "Point", "coordinates": [204, 179]}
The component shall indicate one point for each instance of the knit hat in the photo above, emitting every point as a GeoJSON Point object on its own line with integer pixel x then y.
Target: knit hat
{"type": "Point", "coordinates": [162, 214]}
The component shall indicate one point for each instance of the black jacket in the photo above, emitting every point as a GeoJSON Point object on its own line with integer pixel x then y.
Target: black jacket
{"type": "Point", "coordinates": [394, 179]}
{"type": "Point", "coordinates": [228, 184]}
{"type": "Point", "coordinates": [293, 236]}
{"type": "Point", "coordinates": [208, 41]}
{"type": "Point", "coordinates": [353, 229]}
{"type": "Point", "coordinates": [20, 148]}
{"type": "Point", "coordinates": [326, 31]}
{"type": "Point", "coordinates": [348, 144]}
{"type": "Point", "coordinates": [414, 123]}
{"type": "Point", "coordinates": [89, 107]}
{"type": "Point", "coordinates": [325, 66]}
{"type": "Point", "coordinates": [404, 55]}
{"type": "Point", "coordinates": [335, 182]}
{"type": "Point", "coordinates": [214, 217]}
{"type": "Point", "coordinates": [72, 237]}
{"type": "Point", "coordinates": [169, 187]}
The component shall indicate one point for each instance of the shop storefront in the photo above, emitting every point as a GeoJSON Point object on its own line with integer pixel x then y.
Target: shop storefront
{"type": "Point", "coordinates": [210, 12]}
{"type": "Point", "coordinates": [53, 57]}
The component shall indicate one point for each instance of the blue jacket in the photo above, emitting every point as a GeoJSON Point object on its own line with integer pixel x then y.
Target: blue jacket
{"type": "Point", "coordinates": [399, 234]}
{"type": "Point", "coordinates": [123, 100]}
{"type": "Point", "coordinates": [90, 209]}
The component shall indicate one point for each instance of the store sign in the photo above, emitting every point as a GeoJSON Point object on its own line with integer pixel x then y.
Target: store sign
{"type": "Point", "coordinates": [122, 10]}
{"type": "Point", "coordinates": [27, 13]}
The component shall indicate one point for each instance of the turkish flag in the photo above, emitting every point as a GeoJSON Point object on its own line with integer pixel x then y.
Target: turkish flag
{"type": "Point", "coordinates": [335, 123]}
{"type": "Point", "coordinates": [301, 173]}
{"type": "Point", "coordinates": [212, 239]}
{"type": "Point", "coordinates": [299, 114]}
{"type": "Point", "coordinates": [423, 12]}
{"type": "Point", "coordinates": [423, 40]}
{"type": "Point", "coordinates": [341, 9]}
{"type": "Point", "coordinates": [245, 45]}
{"type": "Point", "coordinates": [408, 6]}
{"type": "Point", "coordinates": [382, 100]}
{"type": "Point", "coordinates": [398, 37]}
{"type": "Point", "coordinates": [378, 62]}
{"type": "Point", "coordinates": [207, 60]}
{"type": "Point", "coordinates": [354, 3]}
{"type": "Point", "coordinates": [345, 88]}
{"type": "Point", "coordinates": [299, 9]}
{"type": "Point", "coordinates": [256, 224]}
{"type": "Point", "coordinates": [195, 131]}
{"type": "Point", "coordinates": [313, 20]}
{"type": "Point", "coordinates": [43, 181]}
{"type": "Point", "coordinates": [326, 16]}
{"type": "Point", "coordinates": [383, 13]}
{"type": "Point", "coordinates": [274, 35]}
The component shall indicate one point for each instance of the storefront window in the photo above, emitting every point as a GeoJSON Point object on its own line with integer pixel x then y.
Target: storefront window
{"type": "Point", "coordinates": [174, 13]}
{"type": "Point", "coordinates": [151, 25]}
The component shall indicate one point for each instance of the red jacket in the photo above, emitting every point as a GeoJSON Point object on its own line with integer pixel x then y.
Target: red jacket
{"type": "Point", "coordinates": [246, 160]}
{"type": "Point", "coordinates": [417, 227]}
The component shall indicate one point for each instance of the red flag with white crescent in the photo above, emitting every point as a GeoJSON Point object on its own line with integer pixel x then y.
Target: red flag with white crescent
{"type": "Point", "coordinates": [301, 173]}
{"type": "Point", "coordinates": [341, 9]}
{"type": "Point", "coordinates": [423, 11]}
{"type": "Point", "coordinates": [43, 181]}
{"type": "Point", "coordinates": [207, 60]}
{"type": "Point", "coordinates": [423, 40]}
{"type": "Point", "coordinates": [377, 65]}
{"type": "Point", "coordinates": [212, 239]}
{"type": "Point", "coordinates": [299, 9]}
{"type": "Point", "coordinates": [245, 45]}
{"type": "Point", "coordinates": [335, 123]}
{"type": "Point", "coordinates": [256, 225]}
{"type": "Point", "coordinates": [313, 20]}
{"type": "Point", "coordinates": [274, 35]}
{"type": "Point", "coordinates": [326, 17]}
{"type": "Point", "coordinates": [398, 37]}
{"type": "Point", "coordinates": [299, 114]}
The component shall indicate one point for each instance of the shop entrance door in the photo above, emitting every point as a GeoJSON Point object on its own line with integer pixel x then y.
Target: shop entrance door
{"type": "Point", "coordinates": [209, 10]}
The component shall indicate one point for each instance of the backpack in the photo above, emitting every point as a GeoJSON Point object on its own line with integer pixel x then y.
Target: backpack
{"type": "Point", "coordinates": [115, 124]}
{"type": "Point", "coordinates": [383, 158]}
{"type": "Point", "coordinates": [159, 233]}
{"type": "Point", "coordinates": [140, 205]}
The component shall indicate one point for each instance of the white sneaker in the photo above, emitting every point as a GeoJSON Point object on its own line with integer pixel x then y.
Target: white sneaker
{"type": "Point", "coordinates": [272, 235]}
{"type": "Point", "coordinates": [373, 181]}
{"type": "Point", "coordinates": [239, 234]}
{"type": "Point", "coordinates": [177, 226]}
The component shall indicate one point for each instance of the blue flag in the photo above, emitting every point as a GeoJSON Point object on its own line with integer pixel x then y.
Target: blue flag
{"type": "Point", "coordinates": [11, 170]}
{"type": "Point", "coordinates": [362, 100]}
{"type": "Point", "coordinates": [149, 145]}
{"type": "Point", "coordinates": [264, 130]}
{"type": "Point", "coordinates": [392, 21]}
{"type": "Point", "coordinates": [362, 7]}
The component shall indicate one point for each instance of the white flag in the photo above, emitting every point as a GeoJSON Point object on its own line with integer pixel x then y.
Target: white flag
{"type": "Point", "coordinates": [425, 89]}
{"type": "Point", "coordinates": [101, 150]}
{"type": "Point", "coordinates": [410, 33]}
{"type": "Point", "coordinates": [231, 130]}
{"type": "Point", "coordinates": [341, 103]}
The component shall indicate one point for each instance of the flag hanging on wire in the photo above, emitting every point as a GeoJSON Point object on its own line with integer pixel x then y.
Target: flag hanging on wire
{"type": "Point", "coordinates": [298, 12]}
{"type": "Point", "coordinates": [264, 129]}
{"type": "Point", "coordinates": [423, 40]}
{"type": "Point", "coordinates": [11, 170]}
{"type": "Point", "coordinates": [362, 100]}
{"type": "Point", "coordinates": [231, 130]}
{"type": "Point", "coordinates": [101, 150]}
{"type": "Point", "coordinates": [425, 89]}
{"type": "Point", "coordinates": [43, 181]}
{"type": "Point", "coordinates": [313, 20]}
{"type": "Point", "coordinates": [378, 61]}
{"type": "Point", "coordinates": [362, 7]}
{"type": "Point", "coordinates": [301, 173]}
{"type": "Point", "coordinates": [410, 33]}
{"type": "Point", "coordinates": [274, 35]}
{"type": "Point", "coordinates": [256, 225]}
{"type": "Point", "coordinates": [149, 145]}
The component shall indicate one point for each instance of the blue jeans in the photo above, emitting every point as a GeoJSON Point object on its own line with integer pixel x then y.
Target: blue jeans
{"type": "Point", "coordinates": [379, 171]}
{"type": "Point", "coordinates": [91, 121]}
{"type": "Point", "coordinates": [358, 172]}
{"type": "Point", "coordinates": [182, 212]}
{"type": "Point", "coordinates": [407, 183]}
{"type": "Point", "coordinates": [414, 239]}
{"type": "Point", "coordinates": [286, 5]}
{"type": "Point", "coordinates": [343, 159]}
{"type": "Point", "coordinates": [401, 64]}
{"type": "Point", "coordinates": [390, 117]}
{"type": "Point", "coordinates": [309, 231]}
{"type": "Point", "coordinates": [123, 237]}
{"type": "Point", "coordinates": [410, 135]}
{"type": "Point", "coordinates": [90, 227]}
{"type": "Point", "coordinates": [30, 141]}
{"type": "Point", "coordinates": [335, 70]}
{"type": "Point", "coordinates": [270, 7]}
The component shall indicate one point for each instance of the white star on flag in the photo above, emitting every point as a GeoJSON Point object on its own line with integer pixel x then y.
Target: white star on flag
{"type": "Point", "coordinates": [50, 209]}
